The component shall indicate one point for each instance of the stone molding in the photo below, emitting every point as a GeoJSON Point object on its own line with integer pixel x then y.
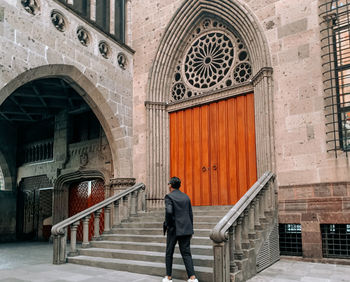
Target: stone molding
{"type": "Point", "coordinates": [61, 186]}
{"type": "Point", "coordinates": [211, 97]}
{"type": "Point", "coordinates": [119, 184]}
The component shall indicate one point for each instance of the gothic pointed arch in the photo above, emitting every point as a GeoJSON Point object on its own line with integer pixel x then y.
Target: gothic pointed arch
{"type": "Point", "coordinates": [61, 187]}
{"type": "Point", "coordinates": [85, 88]}
{"type": "Point", "coordinates": [241, 24]}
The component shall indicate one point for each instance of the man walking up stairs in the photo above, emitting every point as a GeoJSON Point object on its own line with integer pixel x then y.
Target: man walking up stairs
{"type": "Point", "coordinates": [139, 245]}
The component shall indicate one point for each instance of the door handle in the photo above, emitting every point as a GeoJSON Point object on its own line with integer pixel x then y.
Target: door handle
{"type": "Point", "coordinates": [204, 169]}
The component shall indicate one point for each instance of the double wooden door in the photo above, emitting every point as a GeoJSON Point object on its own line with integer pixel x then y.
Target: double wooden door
{"type": "Point", "coordinates": [212, 150]}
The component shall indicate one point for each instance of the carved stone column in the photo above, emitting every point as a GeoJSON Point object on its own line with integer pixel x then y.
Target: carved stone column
{"type": "Point", "coordinates": [85, 243]}
{"type": "Point", "coordinates": [116, 214]}
{"type": "Point", "coordinates": [97, 225]}
{"type": "Point", "coordinates": [238, 239]}
{"type": "Point", "coordinates": [231, 233]}
{"type": "Point", "coordinates": [73, 239]}
{"type": "Point", "coordinates": [107, 220]}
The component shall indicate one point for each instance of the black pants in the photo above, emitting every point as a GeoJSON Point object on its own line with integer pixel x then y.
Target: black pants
{"type": "Point", "coordinates": [185, 249]}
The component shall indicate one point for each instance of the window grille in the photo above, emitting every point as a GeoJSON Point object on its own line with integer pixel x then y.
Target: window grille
{"type": "Point", "coordinates": [335, 42]}
{"type": "Point", "coordinates": [290, 239]}
{"type": "Point", "coordinates": [99, 14]}
{"type": "Point", "coordinates": [335, 240]}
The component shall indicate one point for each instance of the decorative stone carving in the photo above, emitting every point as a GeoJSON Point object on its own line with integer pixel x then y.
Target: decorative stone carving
{"type": "Point", "coordinates": [83, 36]}
{"type": "Point", "coordinates": [120, 184]}
{"type": "Point", "coordinates": [58, 20]}
{"type": "Point", "coordinates": [104, 49]}
{"type": "Point", "coordinates": [31, 6]}
{"type": "Point", "coordinates": [214, 59]}
{"type": "Point", "coordinates": [84, 159]}
{"type": "Point", "coordinates": [122, 61]}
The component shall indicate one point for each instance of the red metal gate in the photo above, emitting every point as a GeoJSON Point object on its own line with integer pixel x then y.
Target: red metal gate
{"type": "Point", "coordinates": [83, 195]}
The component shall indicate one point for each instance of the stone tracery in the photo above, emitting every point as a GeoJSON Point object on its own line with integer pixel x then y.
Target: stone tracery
{"type": "Point", "coordinates": [214, 59]}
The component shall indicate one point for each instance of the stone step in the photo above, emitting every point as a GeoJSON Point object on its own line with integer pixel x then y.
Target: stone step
{"type": "Point", "coordinates": [151, 238]}
{"type": "Point", "coordinates": [161, 213]}
{"type": "Point", "coordinates": [198, 260]}
{"type": "Point", "coordinates": [150, 247]}
{"type": "Point", "coordinates": [197, 219]}
{"type": "Point", "coordinates": [155, 231]}
{"type": "Point", "coordinates": [198, 208]}
{"type": "Point", "coordinates": [204, 274]}
{"type": "Point", "coordinates": [202, 225]}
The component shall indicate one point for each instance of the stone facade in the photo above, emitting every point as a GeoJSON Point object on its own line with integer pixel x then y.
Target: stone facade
{"type": "Point", "coordinates": [300, 158]}
{"type": "Point", "coordinates": [39, 50]}
{"type": "Point", "coordinates": [132, 104]}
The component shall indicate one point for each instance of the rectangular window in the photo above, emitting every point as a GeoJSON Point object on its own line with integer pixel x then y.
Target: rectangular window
{"type": "Point", "coordinates": [335, 240]}
{"type": "Point", "coordinates": [335, 43]}
{"type": "Point", "coordinates": [290, 239]}
{"type": "Point", "coordinates": [106, 15]}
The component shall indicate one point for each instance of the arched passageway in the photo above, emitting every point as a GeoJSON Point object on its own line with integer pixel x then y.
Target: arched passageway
{"type": "Point", "coordinates": [52, 129]}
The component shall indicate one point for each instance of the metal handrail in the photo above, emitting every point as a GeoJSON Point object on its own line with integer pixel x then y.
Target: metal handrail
{"type": "Point", "coordinates": [59, 228]}
{"type": "Point", "coordinates": [219, 233]}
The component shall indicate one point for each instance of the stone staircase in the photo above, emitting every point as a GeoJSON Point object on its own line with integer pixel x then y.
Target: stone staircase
{"type": "Point", "coordinates": [138, 245]}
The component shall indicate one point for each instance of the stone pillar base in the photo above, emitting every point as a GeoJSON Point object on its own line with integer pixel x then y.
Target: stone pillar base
{"type": "Point", "coordinates": [118, 185]}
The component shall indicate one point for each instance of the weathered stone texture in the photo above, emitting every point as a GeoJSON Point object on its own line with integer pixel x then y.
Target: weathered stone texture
{"type": "Point", "coordinates": [149, 21]}
{"type": "Point", "coordinates": [311, 205]}
{"type": "Point", "coordinates": [31, 41]}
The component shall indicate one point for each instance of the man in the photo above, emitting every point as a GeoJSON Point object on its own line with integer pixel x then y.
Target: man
{"type": "Point", "coordinates": [179, 226]}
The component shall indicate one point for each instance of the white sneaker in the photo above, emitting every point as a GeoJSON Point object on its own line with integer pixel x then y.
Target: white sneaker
{"type": "Point", "coordinates": [192, 280]}
{"type": "Point", "coordinates": [165, 279]}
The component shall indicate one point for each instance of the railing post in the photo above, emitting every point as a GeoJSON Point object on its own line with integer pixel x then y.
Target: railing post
{"type": "Point", "coordinates": [231, 233]}
{"type": "Point", "coordinates": [97, 215]}
{"type": "Point", "coordinates": [116, 215]}
{"type": "Point", "coordinates": [107, 223]}
{"type": "Point", "coordinates": [73, 239]}
{"type": "Point", "coordinates": [126, 205]}
{"type": "Point", "coordinates": [133, 210]}
{"type": "Point", "coordinates": [266, 199]}
{"type": "Point", "coordinates": [144, 201]}
{"type": "Point", "coordinates": [56, 249]}
{"type": "Point", "coordinates": [256, 213]}
{"type": "Point", "coordinates": [85, 243]}
{"type": "Point", "coordinates": [238, 239]}
{"type": "Point", "coordinates": [245, 229]}
{"type": "Point", "coordinates": [221, 265]}
{"type": "Point", "coordinates": [251, 215]}
{"type": "Point", "coordinates": [63, 245]}
{"type": "Point", "coordinates": [261, 205]}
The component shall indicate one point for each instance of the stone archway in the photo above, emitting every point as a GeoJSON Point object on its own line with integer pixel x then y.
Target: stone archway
{"type": "Point", "coordinates": [61, 187]}
{"type": "Point", "coordinates": [92, 96]}
{"type": "Point", "coordinates": [241, 21]}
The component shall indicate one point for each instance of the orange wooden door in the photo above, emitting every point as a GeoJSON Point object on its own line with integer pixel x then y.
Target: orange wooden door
{"type": "Point", "coordinates": [212, 150]}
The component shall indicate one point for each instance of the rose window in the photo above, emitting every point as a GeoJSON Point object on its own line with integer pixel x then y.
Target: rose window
{"type": "Point", "coordinates": [208, 60]}
{"type": "Point", "coordinates": [214, 59]}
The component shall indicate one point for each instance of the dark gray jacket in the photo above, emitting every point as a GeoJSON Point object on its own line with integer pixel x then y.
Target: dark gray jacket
{"type": "Point", "coordinates": [178, 213]}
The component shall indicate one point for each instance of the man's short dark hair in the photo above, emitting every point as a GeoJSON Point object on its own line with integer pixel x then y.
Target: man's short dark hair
{"type": "Point", "coordinates": [175, 182]}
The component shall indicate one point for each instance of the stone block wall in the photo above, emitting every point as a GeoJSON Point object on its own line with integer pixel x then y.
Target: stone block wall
{"type": "Point", "coordinates": [31, 47]}
{"type": "Point", "coordinates": [292, 31]}
{"type": "Point", "coordinates": [312, 205]}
